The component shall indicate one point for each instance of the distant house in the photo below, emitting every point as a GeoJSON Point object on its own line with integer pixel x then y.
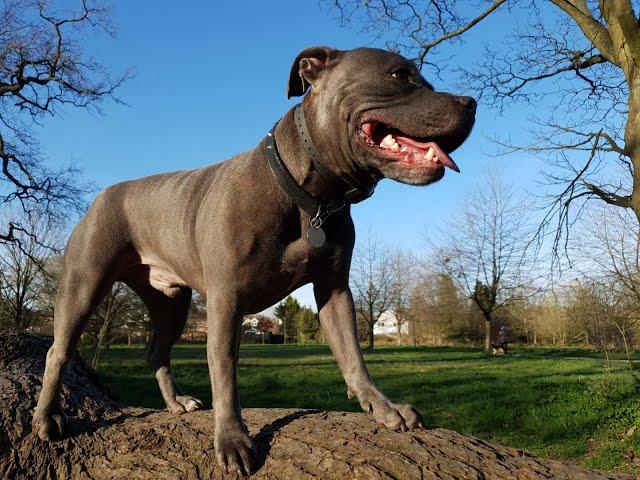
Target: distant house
{"type": "Point", "coordinates": [196, 328]}
{"type": "Point", "coordinates": [261, 323]}
{"type": "Point", "coordinates": [261, 329]}
{"type": "Point", "coordinates": [388, 325]}
{"type": "Point", "coordinates": [250, 322]}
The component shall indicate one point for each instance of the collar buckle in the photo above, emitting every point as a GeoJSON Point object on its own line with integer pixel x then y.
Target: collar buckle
{"type": "Point", "coordinates": [317, 221]}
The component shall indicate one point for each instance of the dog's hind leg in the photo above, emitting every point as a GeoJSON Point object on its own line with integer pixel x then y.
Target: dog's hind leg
{"type": "Point", "coordinates": [168, 317]}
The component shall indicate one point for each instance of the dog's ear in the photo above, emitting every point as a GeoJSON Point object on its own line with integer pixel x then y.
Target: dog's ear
{"type": "Point", "coordinates": [307, 66]}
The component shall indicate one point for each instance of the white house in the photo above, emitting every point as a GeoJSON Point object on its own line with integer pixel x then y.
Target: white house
{"type": "Point", "coordinates": [388, 325]}
{"type": "Point", "coordinates": [250, 322]}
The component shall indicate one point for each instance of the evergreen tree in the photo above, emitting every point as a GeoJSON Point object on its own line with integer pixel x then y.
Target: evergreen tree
{"type": "Point", "coordinates": [308, 325]}
{"type": "Point", "coordinates": [286, 312]}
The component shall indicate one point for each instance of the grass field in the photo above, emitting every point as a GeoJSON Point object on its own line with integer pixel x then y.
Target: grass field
{"type": "Point", "coordinates": [569, 404]}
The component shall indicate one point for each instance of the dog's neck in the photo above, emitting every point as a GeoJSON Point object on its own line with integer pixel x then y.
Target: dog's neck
{"type": "Point", "coordinates": [322, 184]}
{"type": "Point", "coordinates": [300, 165]}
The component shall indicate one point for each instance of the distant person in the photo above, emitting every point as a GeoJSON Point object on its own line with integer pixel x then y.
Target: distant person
{"type": "Point", "coordinates": [501, 346]}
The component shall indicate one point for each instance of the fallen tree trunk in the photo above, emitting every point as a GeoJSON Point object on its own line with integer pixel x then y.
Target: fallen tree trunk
{"type": "Point", "coordinates": [108, 440]}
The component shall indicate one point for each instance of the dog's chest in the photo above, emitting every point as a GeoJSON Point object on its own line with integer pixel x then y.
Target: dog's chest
{"type": "Point", "coordinates": [293, 266]}
{"type": "Point", "coordinates": [302, 262]}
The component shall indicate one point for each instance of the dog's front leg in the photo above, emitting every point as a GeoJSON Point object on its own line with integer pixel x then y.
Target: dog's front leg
{"type": "Point", "coordinates": [232, 443]}
{"type": "Point", "coordinates": [338, 320]}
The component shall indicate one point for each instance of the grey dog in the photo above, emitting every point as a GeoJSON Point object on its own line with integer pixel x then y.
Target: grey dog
{"type": "Point", "coordinates": [235, 234]}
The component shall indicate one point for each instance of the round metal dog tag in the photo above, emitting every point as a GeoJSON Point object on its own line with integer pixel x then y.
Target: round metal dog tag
{"type": "Point", "coordinates": [316, 236]}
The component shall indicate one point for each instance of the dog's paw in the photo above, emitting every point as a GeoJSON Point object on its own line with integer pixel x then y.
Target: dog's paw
{"type": "Point", "coordinates": [48, 427]}
{"type": "Point", "coordinates": [394, 416]}
{"type": "Point", "coordinates": [233, 450]}
{"type": "Point", "coordinates": [183, 403]}
{"type": "Point", "coordinates": [190, 404]}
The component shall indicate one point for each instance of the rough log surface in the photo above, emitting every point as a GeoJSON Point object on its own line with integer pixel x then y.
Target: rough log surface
{"type": "Point", "coordinates": [108, 440]}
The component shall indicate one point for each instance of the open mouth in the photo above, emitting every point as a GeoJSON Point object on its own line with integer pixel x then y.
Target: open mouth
{"type": "Point", "coordinates": [400, 147]}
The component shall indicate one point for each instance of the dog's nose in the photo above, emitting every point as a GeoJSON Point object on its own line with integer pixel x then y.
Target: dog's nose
{"type": "Point", "coordinates": [468, 103]}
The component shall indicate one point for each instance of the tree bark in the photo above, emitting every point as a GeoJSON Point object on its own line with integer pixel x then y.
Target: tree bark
{"type": "Point", "coordinates": [371, 322]}
{"type": "Point", "coordinates": [108, 440]}
{"type": "Point", "coordinates": [632, 142]}
{"type": "Point", "coordinates": [370, 338]}
{"type": "Point", "coordinates": [413, 331]}
{"type": "Point", "coordinates": [487, 334]}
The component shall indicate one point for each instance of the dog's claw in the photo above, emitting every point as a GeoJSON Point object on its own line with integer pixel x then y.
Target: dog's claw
{"type": "Point", "coordinates": [184, 404]}
{"type": "Point", "coordinates": [410, 415]}
{"type": "Point", "coordinates": [49, 427]}
{"type": "Point", "coordinates": [402, 417]}
{"type": "Point", "coordinates": [233, 451]}
{"type": "Point", "coordinates": [190, 404]}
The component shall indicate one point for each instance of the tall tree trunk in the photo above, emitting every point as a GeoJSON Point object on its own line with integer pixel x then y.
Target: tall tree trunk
{"type": "Point", "coordinates": [102, 335]}
{"type": "Point", "coordinates": [371, 323]}
{"type": "Point", "coordinates": [19, 318]}
{"type": "Point", "coordinates": [96, 356]}
{"type": "Point", "coordinates": [413, 327]}
{"type": "Point", "coordinates": [632, 142]}
{"type": "Point", "coordinates": [487, 333]}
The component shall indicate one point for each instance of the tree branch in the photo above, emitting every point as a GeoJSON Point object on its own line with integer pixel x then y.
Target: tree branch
{"type": "Point", "coordinates": [595, 32]}
{"type": "Point", "coordinates": [623, 201]}
{"type": "Point", "coordinates": [43, 66]}
{"type": "Point", "coordinates": [459, 31]}
{"type": "Point", "coordinates": [623, 24]}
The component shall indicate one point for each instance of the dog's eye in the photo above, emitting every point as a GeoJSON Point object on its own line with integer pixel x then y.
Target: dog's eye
{"type": "Point", "coordinates": [402, 74]}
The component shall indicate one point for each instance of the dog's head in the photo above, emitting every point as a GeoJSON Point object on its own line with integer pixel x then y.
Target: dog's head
{"type": "Point", "coordinates": [373, 115]}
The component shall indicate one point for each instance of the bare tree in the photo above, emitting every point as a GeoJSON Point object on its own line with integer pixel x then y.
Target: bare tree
{"type": "Point", "coordinates": [484, 248]}
{"type": "Point", "coordinates": [452, 310]}
{"type": "Point", "coordinates": [596, 314]}
{"type": "Point", "coordinates": [403, 270]}
{"type": "Point", "coordinates": [44, 68]}
{"type": "Point", "coordinates": [612, 243]}
{"type": "Point", "coordinates": [372, 280]}
{"type": "Point", "coordinates": [23, 277]}
{"type": "Point", "coordinates": [107, 324]}
{"type": "Point", "coordinates": [582, 57]}
{"type": "Point", "coordinates": [610, 251]}
{"type": "Point", "coordinates": [435, 311]}
{"type": "Point", "coordinates": [556, 320]}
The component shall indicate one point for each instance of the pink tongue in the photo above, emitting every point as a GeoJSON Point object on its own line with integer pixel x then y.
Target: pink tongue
{"type": "Point", "coordinates": [443, 158]}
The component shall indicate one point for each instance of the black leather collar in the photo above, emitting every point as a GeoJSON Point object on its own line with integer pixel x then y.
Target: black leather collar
{"type": "Point", "coordinates": [317, 210]}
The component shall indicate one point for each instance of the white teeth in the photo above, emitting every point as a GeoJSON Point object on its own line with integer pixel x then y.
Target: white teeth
{"type": "Point", "coordinates": [404, 149]}
{"type": "Point", "coordinates": [430, 154]}
{"type": "Point", "coordinates": [389, 142]}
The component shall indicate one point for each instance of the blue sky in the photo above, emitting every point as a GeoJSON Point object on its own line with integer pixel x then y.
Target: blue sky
{"type": "Point", "coordinates": [210, 81]}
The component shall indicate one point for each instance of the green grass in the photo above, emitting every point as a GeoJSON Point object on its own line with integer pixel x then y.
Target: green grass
{"type": "Point", "coordinates": [567, 403]}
